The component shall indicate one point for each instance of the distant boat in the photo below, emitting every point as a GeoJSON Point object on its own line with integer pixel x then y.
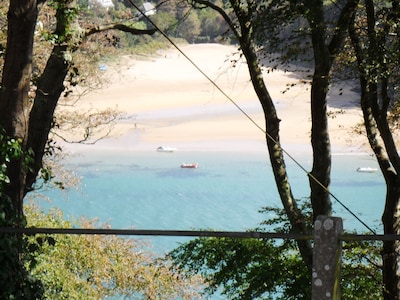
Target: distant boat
{"type": "Point", "coordinates": [190, 166]}
{"type": "Point", "coordinates": [367, 170]}
{"type": "Point", "coordinates": [165, 149]}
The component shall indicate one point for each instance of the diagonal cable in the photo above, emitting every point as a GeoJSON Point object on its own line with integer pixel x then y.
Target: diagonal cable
{"type": "Point", "coordinates": [250, 118]}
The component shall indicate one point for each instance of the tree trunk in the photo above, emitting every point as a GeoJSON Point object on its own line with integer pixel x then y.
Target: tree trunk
{"type": "Point", "coordinates": [325, 49]}
{"type": "Point", "coordinates": [391, 249]}
{"type": "Point", "coordinates": [320, 174]}
{"type": "Point", "coordinates": [391, 214]}
{"type": "Point", "coordinates": [14, 110]}
{"type": "Point", "coordinates": [14, 102]}
{"type": "Point", "coordinates": [30, 125]}
{"type": "Point", "coordinates": [377, 130]}
{"type": "Point", "coordinates": [277, 160]}
{"type": "Point", "coordinates": [244, 34]}
{"type": "Point", "coordinates": [49, 88]}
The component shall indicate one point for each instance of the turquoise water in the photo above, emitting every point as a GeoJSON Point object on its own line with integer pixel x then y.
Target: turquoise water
{"type": "Point", "coordinates": [149, 190]}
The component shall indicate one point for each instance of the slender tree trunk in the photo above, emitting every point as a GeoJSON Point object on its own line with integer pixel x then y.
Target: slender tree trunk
{"type": "Point", "coordinates": [277, 160]}
{"type": "Point", "coordinates": [321, 169]}
{"type": "Point", "coordinates": [49, 88]}
{"type": "Point", "coordinates": [382, 143]}
{"type": "Point", "coordinates": [244, 35]}
{"type": "Point", "coordinates": [325, 49]}
{"type": "Point", "coordinates": [391, 215]}
{"type": "Point", "coordinates": [391, 249]}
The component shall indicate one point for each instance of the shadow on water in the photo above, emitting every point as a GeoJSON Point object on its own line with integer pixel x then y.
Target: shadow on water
{"type": "Point", "coordinates": [182, 173]}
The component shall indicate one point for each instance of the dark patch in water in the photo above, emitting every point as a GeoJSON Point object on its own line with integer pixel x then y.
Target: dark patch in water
{"type": "Point", "coordinates": [352, 184]}
{"type": "Point", "coordinates": [181, 173]}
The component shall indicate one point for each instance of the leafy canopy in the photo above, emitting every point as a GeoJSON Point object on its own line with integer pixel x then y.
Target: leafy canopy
{"type": "Point", "coordinates": [95, 267]}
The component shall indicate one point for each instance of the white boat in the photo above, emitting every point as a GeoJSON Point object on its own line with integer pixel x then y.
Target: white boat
{"type": "Point", "coordinates": [190, 166]}
{"type": "Point", "coordinates": [367, 170]}
{"type": "Point", "coordinates": [165, 149]}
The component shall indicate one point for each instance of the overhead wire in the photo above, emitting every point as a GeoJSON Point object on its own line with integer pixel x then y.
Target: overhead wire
{"type": "Point", "coordinates": [250, 118]}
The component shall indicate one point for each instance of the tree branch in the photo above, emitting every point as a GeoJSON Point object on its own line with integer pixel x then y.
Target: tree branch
{"type": "Point", "coordinates": [342, 26]}
{"type": "Point", "coordinates": [120, 27]}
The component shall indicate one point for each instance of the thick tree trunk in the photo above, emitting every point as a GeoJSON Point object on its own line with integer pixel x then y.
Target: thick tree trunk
{"type": "Point", "coordinates": [14, 118]}
{"type": "Point", "coordinates": [30, 125]}
{"type": "Point", "coordinates": [14, 102]}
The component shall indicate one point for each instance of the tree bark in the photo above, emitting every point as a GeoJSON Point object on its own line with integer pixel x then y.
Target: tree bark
{"type": "Point", "coordinates": [244, 33]}
{"type": "Point", "coordinates": [49, 88]}
{"type": "Point", "coordinates": [391, 249]}
{"type": "Point", "coordinates": [321, 169]}
{"type": "Point", "coordinates": [381, 141]}
{"type": "Point", "coordinates": [272, 121]}
{"type": "Point", "coordinates": [14, 102]}
{"type": "Point", "coordinates": [14, 111]}
{"type": "Point", "coordinates": [276, 157]}
{"type": "Point", "coordinates": [391, 214]}
{"type": "Point", "coordinates": [324, 51]}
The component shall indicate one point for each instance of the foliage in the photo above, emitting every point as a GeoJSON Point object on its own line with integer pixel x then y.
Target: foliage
{"type": "Point", "coordinates": [213, 26]}
{"type": "Point", "coordinates": [18, 284]}
{"type": "Point", "coordinates": [362, 270]}
{"type": "Point", "coordinates": [375, 38]}
{"type": "Point", "coordinates": [60, 28]}
{"type": "Point", "coordinates": [96, 267]}
{"type": "Point", "coordinates": [267, 269]}
{"type": "Point", "coordinates": [246, 268]}
{"type": "Point", "coordinates": [190, 28]}
{"type": "Point", "coordinates": [9, 149]}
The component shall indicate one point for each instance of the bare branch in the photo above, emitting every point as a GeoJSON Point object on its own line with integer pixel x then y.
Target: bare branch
{"type": "Point", "coordinates": [120, 27]}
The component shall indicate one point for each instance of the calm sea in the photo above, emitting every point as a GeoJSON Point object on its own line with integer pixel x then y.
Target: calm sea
{"type": "Point", "coordinates": [149, 190]}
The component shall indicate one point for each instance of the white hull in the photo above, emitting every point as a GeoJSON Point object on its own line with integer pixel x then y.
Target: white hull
{"type": "Point", "coordinates": [367, 170]}
{"type": "Point", "coordinates": [165, 149]}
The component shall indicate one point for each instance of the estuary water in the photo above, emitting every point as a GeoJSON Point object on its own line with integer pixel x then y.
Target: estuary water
{"type": "Point", "coordinates": [149, 190]}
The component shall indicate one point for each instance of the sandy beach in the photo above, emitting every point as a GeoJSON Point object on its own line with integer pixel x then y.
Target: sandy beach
{"type": "Point", "coordinates": [168, 102]}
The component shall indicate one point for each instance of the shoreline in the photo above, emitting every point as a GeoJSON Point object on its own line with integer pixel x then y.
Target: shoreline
{"type": "Point", "coordinates": [169, 103]}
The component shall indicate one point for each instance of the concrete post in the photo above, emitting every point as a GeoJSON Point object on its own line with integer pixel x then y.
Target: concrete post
{"type": "Point", "coordinates": [326, 258]}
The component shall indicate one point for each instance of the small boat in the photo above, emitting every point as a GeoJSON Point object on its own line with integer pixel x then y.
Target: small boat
{"type": "Point", "coordinates": [165, 149]}
{"type": "Point", "coordinates": [367, 170]}
{"type": "Point", "coordinates": [190, 166]}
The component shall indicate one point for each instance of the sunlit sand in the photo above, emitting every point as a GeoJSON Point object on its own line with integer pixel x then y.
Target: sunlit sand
{"type": "Point", "coordinates": [168, 102]}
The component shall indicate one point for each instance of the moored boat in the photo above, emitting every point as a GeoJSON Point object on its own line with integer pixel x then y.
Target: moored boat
{"type": "Point", "coordinates": [165, 149]}
{"type": "Point", "coordinates": [190, 166]}
{"type": "Point", "coordinates": [367, 170]}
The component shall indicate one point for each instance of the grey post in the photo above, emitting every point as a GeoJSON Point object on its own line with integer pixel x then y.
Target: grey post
{"type": "Point", "coordinates": [326, 258]}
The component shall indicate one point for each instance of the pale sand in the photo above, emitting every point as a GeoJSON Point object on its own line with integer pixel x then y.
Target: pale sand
{"type": "Point", "coordinates": [170, 103]}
